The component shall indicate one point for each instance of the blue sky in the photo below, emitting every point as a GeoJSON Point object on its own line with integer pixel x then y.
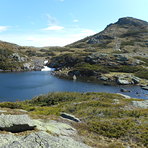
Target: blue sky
{"type": "Point", "coordinates": [60, 22]}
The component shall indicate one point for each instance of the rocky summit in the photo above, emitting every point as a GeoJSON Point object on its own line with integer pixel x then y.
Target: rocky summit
{"type": "Point", "coordinates": [127, 34]}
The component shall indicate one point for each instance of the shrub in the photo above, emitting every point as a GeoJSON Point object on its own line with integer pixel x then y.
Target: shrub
{"type": "Point", "coordinates": [112, 129]}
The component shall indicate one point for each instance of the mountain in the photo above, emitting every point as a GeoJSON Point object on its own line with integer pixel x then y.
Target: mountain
{"type": "Point", "coordinates": [127, 34]}
{"type": "Point", "coordinates": [117, 54]}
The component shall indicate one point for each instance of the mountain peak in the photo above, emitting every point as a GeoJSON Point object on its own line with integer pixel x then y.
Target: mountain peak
{"type": "Point", "coordinates": [131, 21]}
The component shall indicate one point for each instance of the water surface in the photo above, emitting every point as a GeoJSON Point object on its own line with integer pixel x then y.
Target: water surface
{"type": "Point", "coordinates": [26, 85]}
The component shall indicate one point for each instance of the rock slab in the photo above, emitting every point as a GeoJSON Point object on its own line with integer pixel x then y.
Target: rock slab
{"type": "Point", "coordinates": [39, 140]}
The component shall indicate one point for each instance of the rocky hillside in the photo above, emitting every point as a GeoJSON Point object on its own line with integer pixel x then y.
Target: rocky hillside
{"type": "Point", "coordinates": [118, 54]}
{"type": "Point", "coordinates": [17, 58]}
{"type": "Point", "coordinates": [127, 35]}
{"type": "Point", "coordinates": [23, 58]}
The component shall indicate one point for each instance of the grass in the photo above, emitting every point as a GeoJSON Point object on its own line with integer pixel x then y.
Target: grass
{"type": "Point", "coordinates": [99, 113]}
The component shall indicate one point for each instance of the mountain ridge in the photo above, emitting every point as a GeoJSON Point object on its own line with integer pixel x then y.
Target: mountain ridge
{"type": "Point", "coordinates": [126, 31]}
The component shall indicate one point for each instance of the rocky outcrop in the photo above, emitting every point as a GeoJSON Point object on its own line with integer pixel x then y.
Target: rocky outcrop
{"type": "Point", "coordinates": [61, 136]}
{"type": "Point", "coordinates": [39, 140]}
{"type": "Point", "coordinates": [18, 58]}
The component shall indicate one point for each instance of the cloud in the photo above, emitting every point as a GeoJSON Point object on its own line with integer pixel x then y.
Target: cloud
{"type": "Point", "coordinates": [61, 0]}
{"type": "Point", "coordinates": [3, 28]}
{"type": "Point", "coordinates": [45, 38]}
{"type": "Point", "coordinates": [75, 20]}
{"type": "Point", "coordinates": [53, 28]}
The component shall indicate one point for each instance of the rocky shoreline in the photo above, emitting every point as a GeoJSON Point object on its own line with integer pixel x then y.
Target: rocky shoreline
{"type": "Point", "coordinates": [107, 79]}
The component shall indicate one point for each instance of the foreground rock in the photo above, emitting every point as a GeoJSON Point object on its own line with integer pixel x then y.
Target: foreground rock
{"type": "Point", "coordinates": [16, 123]}
{"type": "Point", "coordinates": [39, 140]}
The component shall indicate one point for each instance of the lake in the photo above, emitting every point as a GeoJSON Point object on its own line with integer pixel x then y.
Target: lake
{"type": "Point", "coordinates": [26, 85]}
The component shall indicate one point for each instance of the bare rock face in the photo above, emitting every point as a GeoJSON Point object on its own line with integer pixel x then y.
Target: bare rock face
{"type": "Point", "coordinates": [16, 123]}
{"type": "Point", "coordinates": [39, 140]}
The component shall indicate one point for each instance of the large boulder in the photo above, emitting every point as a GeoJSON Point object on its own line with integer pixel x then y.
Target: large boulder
{"type": "Point", "coordinates": [16, 123]}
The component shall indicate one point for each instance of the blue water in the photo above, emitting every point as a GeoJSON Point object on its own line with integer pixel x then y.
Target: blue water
{"type": "Point", "coordinates": [26, 85]}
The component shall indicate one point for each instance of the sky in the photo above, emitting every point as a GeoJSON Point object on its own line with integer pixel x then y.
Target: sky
{"type": "Point", "coordinates": [60, 22]}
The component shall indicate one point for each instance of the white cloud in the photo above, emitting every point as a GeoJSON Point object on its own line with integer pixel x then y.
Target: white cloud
{"type": "Point", "coordinates": [53, 28]}
{"type": "Point", "coordinates": [61, 0]}
{"type": "Point", "coordinates": [75, 20]}
{"type": "Point", "coordinates": [3, 28]}
{"type": "Point", "coordinates": [41, 39]}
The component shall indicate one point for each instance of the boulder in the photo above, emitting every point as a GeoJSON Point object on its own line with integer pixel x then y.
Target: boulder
{"type": "Point", "coordinates": [16, 123]}
{"type": "Point", "coordinates": [124, 90]}
{"type": "Point", "coordinates": [69, 117]}
{"type": "Point", "coordinates": [140, 104]}
{"type": "Point", "coordinates": [123, 81]}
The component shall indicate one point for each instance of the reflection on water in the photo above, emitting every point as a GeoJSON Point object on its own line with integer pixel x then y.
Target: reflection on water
{"type": "Point", "coordinates": [25, 85]}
